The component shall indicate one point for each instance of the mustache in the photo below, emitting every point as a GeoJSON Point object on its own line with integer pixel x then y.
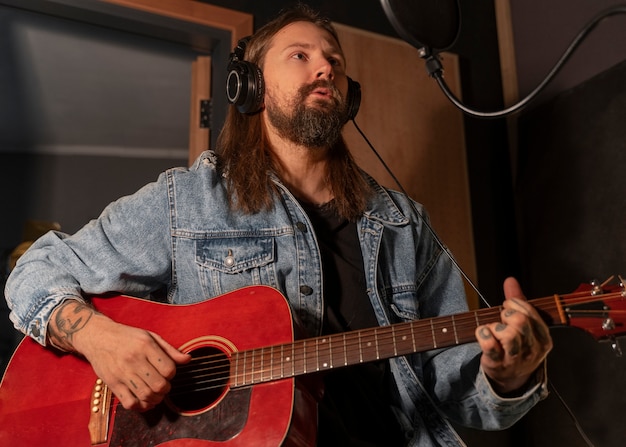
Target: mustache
{"type": "Point", "coordinates": [306, 90]}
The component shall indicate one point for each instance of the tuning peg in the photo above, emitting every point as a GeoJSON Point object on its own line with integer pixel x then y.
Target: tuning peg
{"type": "Point", "coordinates": [596, 287]}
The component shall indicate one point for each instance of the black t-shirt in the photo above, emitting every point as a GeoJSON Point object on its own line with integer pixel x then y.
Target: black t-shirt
{"type": "Point", "coordinates": [355, 410]}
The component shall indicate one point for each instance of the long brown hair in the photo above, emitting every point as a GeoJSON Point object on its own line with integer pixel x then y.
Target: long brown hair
{"type": "Point", "coordinates": [242, 145]}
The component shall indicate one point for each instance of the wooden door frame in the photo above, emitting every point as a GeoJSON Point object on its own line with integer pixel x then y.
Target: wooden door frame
{"type": "Point", "coordinates": [207, 29]}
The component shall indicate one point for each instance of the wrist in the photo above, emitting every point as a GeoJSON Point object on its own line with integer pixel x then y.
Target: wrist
{"type": "Point", "coordinates": [519, 386]}
{"type": "Point", "coordinates": [67, 324]}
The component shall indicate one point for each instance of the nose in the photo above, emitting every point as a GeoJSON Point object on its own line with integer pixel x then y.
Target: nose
{"type": "Point", "coordinates": [325, 70]}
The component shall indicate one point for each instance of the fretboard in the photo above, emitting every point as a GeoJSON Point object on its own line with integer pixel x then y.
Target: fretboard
{"type": "Point", "coordinates": [350, 348]}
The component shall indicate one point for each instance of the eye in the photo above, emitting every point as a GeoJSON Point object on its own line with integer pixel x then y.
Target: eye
{"type": "Point", "coordinates": [336, 62]}
{"type": "Point", "coordinates": [300, 56]}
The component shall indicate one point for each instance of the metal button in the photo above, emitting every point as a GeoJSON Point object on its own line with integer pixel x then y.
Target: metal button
{"type": "Point", "coordinates": [230, 259]}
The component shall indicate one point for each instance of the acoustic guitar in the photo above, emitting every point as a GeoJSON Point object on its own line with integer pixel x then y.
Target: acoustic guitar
{"type": "Point", "coordinates": [240, 388]}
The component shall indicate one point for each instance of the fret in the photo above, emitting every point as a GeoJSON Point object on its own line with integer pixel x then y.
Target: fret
{"type": "Point", "coordinates": [368, 345]}
{"type": "Point", "coordinates": [393, 337]}
{"type": "Point", "coordinates": [302, 359]}
{"type": "Point", "coordinates": [310, 357]}
{"type": "Point", "coordinates": [386, 344]}
{"type": "Point", "coordinates": [345, 352]}
{"type": "Point", "coordinates": [432, 331]}
{"type": "Point", "coordinates": [275, 363]}
{"type": "Point", "coordinates": [326, 353]}
{"type": "Point", "coordinates": [267, 364]}
{"type": "Point", "coordinates": [245, 361]}
{"type": "Point", "coordinates": [262, 355]}
{"type": "Point", "coordinates": [328, 345]}
{"type": "Point", "coordinates": [282, 361]}
{"type": "Point", "coordinates": [404, 344]}
{"type": "Point", "coordinates": [291, 360]}
{"type": "Point", "coordinates": [252, 359]}
{"type": "Point", "coordinates": [442, 332]}
{"type": "Point", "coordinates": [317, 355]}
{"type": "Point", "coordinates": [376, 344]}
{"type": "Point", "coordinates": [360, 349]}
{"type": "Point", "coordinates": [235, 374]}
{"type": "Point", "coordinates": [456, 335]}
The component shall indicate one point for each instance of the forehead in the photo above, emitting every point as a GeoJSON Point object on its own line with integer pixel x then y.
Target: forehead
{"type": "Point", "coordinates": [304, 34]}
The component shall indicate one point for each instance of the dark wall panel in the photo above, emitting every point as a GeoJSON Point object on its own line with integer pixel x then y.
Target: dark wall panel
{"type": "Point", "coordinates": [571, 197]}
{"type": "Point", "coordinates": [572, 185]}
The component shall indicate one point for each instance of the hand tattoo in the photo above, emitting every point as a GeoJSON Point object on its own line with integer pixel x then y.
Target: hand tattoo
{"type": "Point", "coordinates": [484, 333]}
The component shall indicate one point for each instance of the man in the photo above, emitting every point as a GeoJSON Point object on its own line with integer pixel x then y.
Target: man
{"type": "Point", "coordinates": [283, 204]}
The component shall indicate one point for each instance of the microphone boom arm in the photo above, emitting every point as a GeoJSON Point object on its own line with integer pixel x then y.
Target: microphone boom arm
{"type": "Point", "coordinates": [435, 69]}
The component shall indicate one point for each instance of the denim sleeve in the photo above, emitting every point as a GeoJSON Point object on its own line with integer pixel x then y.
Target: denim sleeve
{"type": "Point", "coordinates": [126, 250]}
{"type": "Point", "coordinates": [463, 392]}
{"type": "Point", "coordinates": [454, 377]}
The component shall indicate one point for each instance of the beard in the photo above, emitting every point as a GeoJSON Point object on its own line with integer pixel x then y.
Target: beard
{"type": "Point", "coordinates": [318, 126]}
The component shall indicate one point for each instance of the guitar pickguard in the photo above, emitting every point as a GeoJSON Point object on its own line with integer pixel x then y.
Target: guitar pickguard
{"type": "Point", "coordinates": [151, 428]}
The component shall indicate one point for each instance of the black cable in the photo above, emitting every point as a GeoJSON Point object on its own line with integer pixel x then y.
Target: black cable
{"type": "Point", "coordinates": [569, 411]}
{"type": "Point", "coordinates": [430, 228]}
{"type": "Point", "coordinates": [435, 69]}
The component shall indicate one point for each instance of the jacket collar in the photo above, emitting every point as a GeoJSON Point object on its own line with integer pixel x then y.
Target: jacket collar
{"type": "Point", "coordinates": [382, 206]}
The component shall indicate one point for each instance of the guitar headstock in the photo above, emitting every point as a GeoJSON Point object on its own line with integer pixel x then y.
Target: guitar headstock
{"type": "Point", "coordinates": [599, 309]}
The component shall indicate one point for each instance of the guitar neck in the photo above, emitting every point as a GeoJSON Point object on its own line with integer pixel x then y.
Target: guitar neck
{"type": "Point", "coordinates": [367, 345]}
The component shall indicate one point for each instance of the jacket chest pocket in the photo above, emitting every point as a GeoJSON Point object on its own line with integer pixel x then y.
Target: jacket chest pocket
{"type": "Point", "coordinates": [228, 264]}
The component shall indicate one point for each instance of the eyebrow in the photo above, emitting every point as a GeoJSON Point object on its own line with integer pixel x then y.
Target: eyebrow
{"type": "Point", "coordinates": [335, 51]}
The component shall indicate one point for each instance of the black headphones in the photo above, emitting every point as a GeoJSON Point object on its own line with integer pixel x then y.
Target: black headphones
{"type": "Point", "coordinates": [245, 87]}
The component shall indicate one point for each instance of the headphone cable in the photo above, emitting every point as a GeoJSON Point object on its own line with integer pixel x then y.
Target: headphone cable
{"type": "Point", "coordinates": [424, 220]}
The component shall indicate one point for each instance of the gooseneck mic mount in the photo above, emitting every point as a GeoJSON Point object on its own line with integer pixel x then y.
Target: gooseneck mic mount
{"type": "Point", "coordinates": [430, 41]}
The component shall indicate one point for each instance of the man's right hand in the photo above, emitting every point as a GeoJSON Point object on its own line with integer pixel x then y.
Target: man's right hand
{"type": "Point", "coordinates": [136, 364]}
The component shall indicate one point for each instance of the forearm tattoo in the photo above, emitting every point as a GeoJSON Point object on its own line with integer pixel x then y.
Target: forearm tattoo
{"type": "Point", "coordinates": [70, 318]}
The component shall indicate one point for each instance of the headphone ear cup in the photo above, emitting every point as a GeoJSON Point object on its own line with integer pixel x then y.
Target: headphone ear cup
{"type": "Point", "coordinates": [245, 87]}
{"type": "Point", "coordinates": [353, 99]}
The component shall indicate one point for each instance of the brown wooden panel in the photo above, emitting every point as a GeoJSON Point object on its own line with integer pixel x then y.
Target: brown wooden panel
{"type": "Point", "coordinates": [199, 137]}
{"type": "Point", "coordinates": [238, 23]}
{"type": "Point", "coordinates": [416, 130]}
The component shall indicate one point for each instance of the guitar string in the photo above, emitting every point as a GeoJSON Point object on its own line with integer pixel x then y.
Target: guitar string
{"type": "Point", "coordinates": [385, 341]}
{"type": "Point", "coordinates": [210, 370]}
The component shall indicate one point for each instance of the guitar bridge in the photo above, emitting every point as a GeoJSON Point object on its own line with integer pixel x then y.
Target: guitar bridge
{"type": "Point", "coordinates": [99, 413]}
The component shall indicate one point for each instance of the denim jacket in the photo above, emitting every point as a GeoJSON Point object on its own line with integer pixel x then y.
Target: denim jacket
{"type": "Point", "coordinates": [178, 234]}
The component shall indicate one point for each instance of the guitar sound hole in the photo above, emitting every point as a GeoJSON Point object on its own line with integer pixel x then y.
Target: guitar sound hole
{"type": "Point", "coordinates": [202, 381]}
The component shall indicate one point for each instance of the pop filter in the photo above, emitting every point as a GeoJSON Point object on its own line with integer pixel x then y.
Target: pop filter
{"type": "Point", "coordinates": [433, 24]}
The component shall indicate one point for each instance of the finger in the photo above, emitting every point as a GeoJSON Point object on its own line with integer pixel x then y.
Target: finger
{"type": "Point", "coordinates": [534, 326]}
{"type": "Point", "coordinates": [176, 355]}
{"type": "Point", "coordinates": [509, 339]}
{"type": "Point", "coordinates": [149, 393]}
{"type": "Point", "coordinates": [490, 346]}
{"type": "Point", "coordinates": [127, 398]}
{"type": "Point", "coordinates": [510, 342]}
{"type": "Point", "coordinates": [512, 288]}
{"type": "Point", "coordinates": [155, 383]}
{"type": "Point", "coordinates": [523, 340]}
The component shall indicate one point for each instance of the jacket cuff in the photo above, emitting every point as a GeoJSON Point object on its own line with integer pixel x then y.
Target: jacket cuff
{"type": "Point", "coordinates": [534, 390]}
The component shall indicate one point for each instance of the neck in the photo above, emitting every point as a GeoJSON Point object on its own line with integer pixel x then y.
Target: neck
{"type": "Point", "coordinates": [303, 169]}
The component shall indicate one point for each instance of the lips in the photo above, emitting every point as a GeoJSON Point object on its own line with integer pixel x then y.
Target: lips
{"type": "Point", "coordinates": [322, 92]}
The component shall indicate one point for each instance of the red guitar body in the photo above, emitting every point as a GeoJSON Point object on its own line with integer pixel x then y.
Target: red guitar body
{"type": "Point", "coordinates": [46, 398]}
{"type": "Point", "coordinates": [239, 389]}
